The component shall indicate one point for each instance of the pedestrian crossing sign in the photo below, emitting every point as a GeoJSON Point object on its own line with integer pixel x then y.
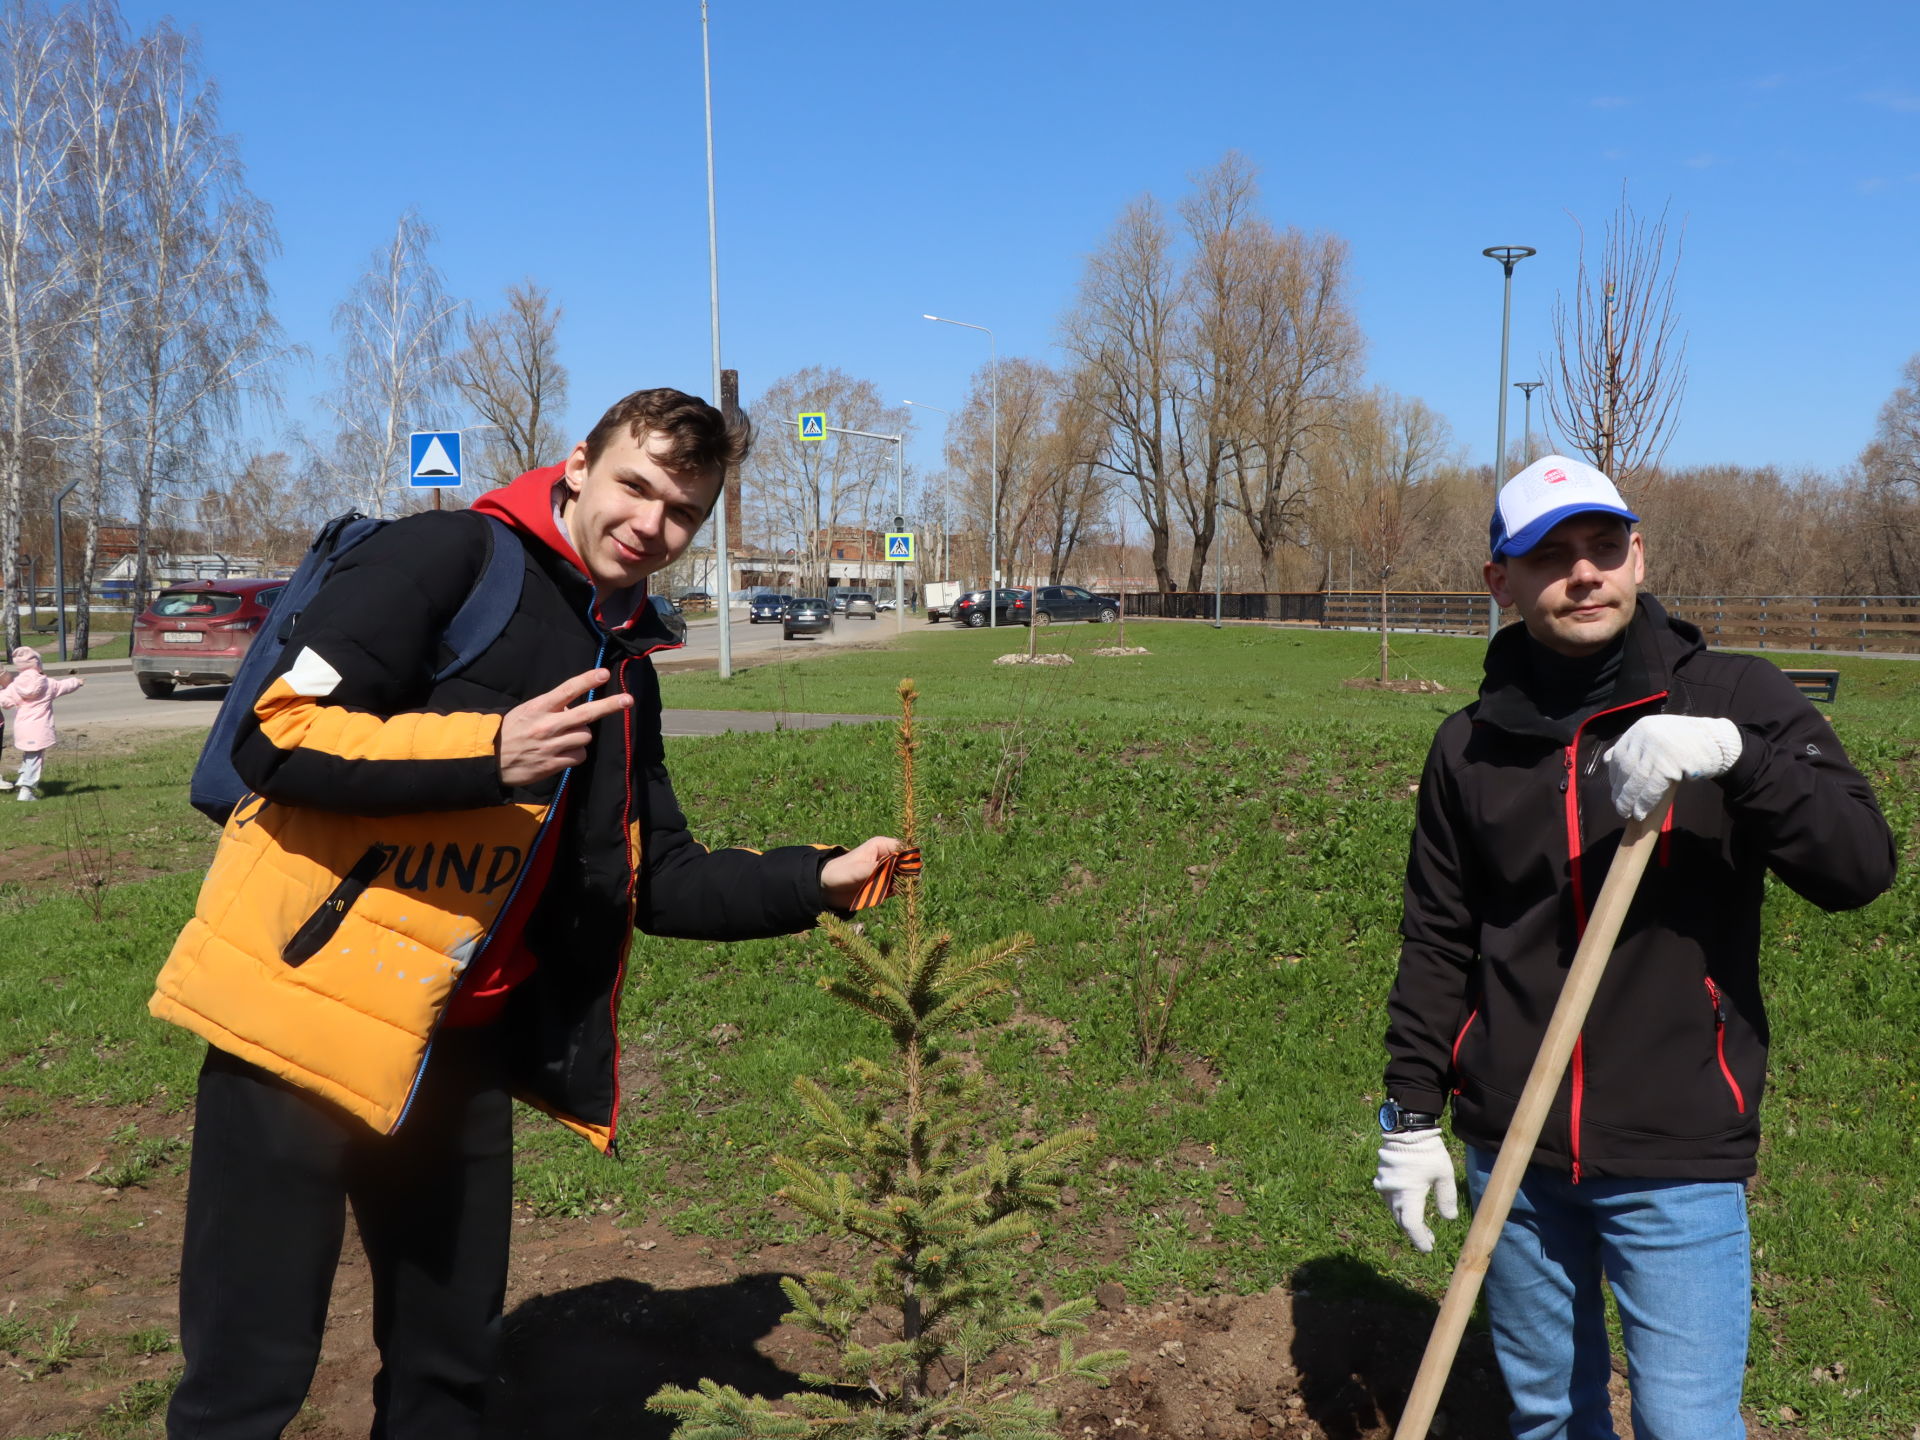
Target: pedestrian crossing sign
{"type": "Point", "coordinates": [436, 460]}
{"type": "Point", "coordinates": [900, 546]}
{"type": "Point", "coordinates": [813, 425]}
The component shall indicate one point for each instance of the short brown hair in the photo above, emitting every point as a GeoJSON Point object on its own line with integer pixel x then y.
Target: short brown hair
{"type": "Point", "coordinates": [698, 435]}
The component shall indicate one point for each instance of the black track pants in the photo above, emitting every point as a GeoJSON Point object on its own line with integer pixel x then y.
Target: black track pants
{"type": "Point", "coordinates": [274, 1169]}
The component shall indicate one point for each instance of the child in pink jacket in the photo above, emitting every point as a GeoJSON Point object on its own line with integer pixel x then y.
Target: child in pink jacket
{"type": "Point", "coordinates": [32, 693]}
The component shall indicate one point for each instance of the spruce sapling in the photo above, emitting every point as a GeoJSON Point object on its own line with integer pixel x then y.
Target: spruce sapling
{"type": "Point", "coordinates": [903, 1168]}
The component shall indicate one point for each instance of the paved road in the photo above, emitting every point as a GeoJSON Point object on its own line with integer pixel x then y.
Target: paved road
{"type": "Point", "coordinates": [113, 702]}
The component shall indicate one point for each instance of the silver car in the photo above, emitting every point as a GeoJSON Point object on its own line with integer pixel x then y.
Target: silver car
{"type": "Point", "coordinates": [860, 602]}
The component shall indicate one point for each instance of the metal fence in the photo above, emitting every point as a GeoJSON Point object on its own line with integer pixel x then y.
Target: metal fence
{"type": "Point", "coordinates": [1754, 622]}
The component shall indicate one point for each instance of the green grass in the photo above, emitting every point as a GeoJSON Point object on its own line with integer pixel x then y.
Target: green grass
{"type": "Point", "coordinates": [1230, 789]}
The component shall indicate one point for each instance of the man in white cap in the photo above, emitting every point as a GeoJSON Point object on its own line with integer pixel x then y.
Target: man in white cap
{"type": "Point", "coordinates": [1591, 707]}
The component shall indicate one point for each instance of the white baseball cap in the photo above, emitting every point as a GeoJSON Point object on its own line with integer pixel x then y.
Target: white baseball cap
{"type": "Point", "coordinates": [1542, 495]}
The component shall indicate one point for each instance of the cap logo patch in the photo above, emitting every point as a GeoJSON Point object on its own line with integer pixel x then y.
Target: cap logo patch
{"type": "Point", "coordinates": [1554, 477]}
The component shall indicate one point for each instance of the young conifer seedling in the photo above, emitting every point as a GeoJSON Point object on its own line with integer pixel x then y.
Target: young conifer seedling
{"type": "Point", "coordinates": [918, 1347]}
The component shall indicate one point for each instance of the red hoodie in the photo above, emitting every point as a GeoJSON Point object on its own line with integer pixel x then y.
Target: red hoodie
{"type": "Point", "coordinates": [526, 505]}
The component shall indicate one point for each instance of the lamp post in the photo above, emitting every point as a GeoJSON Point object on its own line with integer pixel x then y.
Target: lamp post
{"type": "Point", "coordinates": [993, 515]}
{"type": "Point", "coordinates": [1508, 256]}
{"type": "Point", "coordinates": [900, 498]}
{"type": "Point", "coordinates": [60, 565]}
{"type": "Point", "coordinates": [1526, 388]}
{"type": "Point", "coordinates": [946, 504]}
{"type": "Point", "coordinates": [725, 665]}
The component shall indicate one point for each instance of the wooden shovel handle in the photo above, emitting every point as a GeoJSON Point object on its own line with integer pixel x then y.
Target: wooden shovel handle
{"type": "Point", "coordinates": [1523, 1131]}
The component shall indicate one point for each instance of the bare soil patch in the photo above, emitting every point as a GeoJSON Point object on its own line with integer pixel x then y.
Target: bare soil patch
{"type": "Point", "coordinates": [1399, 687]}
{"type": "Point", "coordinates": [601, 1314]}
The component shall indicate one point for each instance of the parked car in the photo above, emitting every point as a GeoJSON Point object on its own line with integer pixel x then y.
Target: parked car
{"type": "Point", "coordinates": [670, 616]}
{"type": "Point", "coordinates": [857, 603]}
{"type": "Point", "coordinates": [1070, 602]}
{"type": "Point", "coordinates": [196, 633]}
{"type": "Point", "coordinates": [808, 615]}
{"type": "Point", "coordinates": [887, 604]}
{"type": "Point", "coordinates": [768, 607]}
{"type": "Point", "coordinates": [1010, 609]}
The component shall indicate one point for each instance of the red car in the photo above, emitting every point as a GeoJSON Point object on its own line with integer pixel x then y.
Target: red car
{"type": "Point", "coordinates": [197, 632]}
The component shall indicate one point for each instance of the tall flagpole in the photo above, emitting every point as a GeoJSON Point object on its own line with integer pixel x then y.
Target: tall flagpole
{"type": "Point", "coordinates": [724, 600]}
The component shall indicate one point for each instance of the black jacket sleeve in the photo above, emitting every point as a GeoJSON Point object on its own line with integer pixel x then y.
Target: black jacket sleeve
{"type": "Point", "coordinates": [692, 893]}
{"type": "Point", "coordinates": [1795, 792]}
{"type": "Point", "coordinates": [337, 727]}
{"type": "Point", "coordinates": [1439, 929]}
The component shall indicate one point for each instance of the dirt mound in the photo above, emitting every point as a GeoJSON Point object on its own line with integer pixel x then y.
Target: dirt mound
{"type": "Point", "coordinates": [1284, 1365]}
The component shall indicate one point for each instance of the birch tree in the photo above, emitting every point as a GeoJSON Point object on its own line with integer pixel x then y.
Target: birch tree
{"type": "Point", "coordinates": [34, 270]}
{"type": "Point", "coordinates": [102, 96]}
{"type": "Point", "coordinates": [510, 372]}
{"type": "Point", "coordinates": [393, 368]}
{"type": "Point", "coordinates": [200, 334]}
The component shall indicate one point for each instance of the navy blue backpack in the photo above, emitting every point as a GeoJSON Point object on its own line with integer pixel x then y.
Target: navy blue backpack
{"type": "Point", "coordinates": [216, 787]}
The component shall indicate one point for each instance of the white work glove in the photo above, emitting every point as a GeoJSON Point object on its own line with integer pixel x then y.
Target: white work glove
{"type": "Point", "coordinates": [1662, 750]}
{"type": "Point", "coordinates": [1413, 1165]}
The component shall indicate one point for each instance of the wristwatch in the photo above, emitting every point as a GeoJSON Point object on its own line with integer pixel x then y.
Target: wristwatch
{"type": "Point", "coordinates": [1396, 1121]}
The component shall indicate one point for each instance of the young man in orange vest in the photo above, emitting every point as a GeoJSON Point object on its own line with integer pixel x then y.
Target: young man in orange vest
{"type": "Point", "coordinates": [424, 912]}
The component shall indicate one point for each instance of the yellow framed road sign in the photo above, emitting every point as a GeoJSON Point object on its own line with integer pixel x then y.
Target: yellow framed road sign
{"type": "Point", "coordinates": [813, 424]}
{"type": "Point", "coordinates": [900, 546]}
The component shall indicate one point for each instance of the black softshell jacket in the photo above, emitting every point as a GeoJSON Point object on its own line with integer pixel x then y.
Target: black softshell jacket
{"type": "Point", "coordinates": [378, 622]}
{"type": "Point", "coordinates": [1514, 834]}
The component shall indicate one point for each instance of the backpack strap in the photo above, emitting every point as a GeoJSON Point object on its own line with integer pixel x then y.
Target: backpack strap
{"type": "Point", "coordinates": [489, 605]}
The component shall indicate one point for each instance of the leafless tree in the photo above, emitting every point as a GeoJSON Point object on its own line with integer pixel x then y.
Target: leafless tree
{"type": "Point", "coordinates": [200, 333]}
{"type": "Point", "coordinates": [1030, 464]}
{"type": "Point", "coordinates": [1303, 354]}
{"type": "Point", "coordinates": [808, 495]}
{"type": "Point", "coordinates": [1383, 484]}
{"type": "Point", "coordinates": [259, 509]}
{"type": "Point", "coordinates": [1122, 331]}
{"type": "Point", "coordinates": [34, 270]}
{"type": "Point", "coordinates": [394, 368]}
{"type": "Point", "coordinates": [510, 372]}
{"type": "Point", "coordinates": [1621, 362]}
{"type": "Point", "coordinates": [1888, 504]}
{"type": "Point", "coordinates": [102, 96]}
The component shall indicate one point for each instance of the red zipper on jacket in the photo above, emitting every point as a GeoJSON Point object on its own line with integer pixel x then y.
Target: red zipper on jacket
{"type": "Point", "coordinates": [1453, 1057]}
{"type": "Point", "coordinates": [1576, 853]}
{"type": "Point", "coordinates": [1720, 1043]}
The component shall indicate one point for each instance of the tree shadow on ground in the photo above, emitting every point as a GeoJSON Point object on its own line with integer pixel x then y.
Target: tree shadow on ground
{"type": "Point", "coordinates": [1358, 1339]}
{"type": "Point", "coordinates": [51, 788]}
{"type": "Point", "coordinates": [581, 1364]}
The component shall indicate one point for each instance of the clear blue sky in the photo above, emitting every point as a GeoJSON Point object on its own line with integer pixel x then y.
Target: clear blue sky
{"type": "Point", "coordinates": [877, 161]}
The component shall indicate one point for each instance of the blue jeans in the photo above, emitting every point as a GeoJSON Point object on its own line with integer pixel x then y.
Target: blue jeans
{"type": "Point", "coordinates": [1675, 1253]}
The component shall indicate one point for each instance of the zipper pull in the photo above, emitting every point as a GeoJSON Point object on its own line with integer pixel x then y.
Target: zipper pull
{"type": "Point", "coordinates": [1566, 768]}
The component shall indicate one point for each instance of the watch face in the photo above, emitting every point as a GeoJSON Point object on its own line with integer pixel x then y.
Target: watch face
{"type": "Point", "coordinates": [1389, 1117]}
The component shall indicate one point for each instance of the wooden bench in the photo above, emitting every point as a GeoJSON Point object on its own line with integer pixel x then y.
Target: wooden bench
{"type": "Point", "coordinates": [1816, 684]}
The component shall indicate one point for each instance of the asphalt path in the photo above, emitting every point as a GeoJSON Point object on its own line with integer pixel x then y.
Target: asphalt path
{"type": "Point", "coordinates": [111, 700]}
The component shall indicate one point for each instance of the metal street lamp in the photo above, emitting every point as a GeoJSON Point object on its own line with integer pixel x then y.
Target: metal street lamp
{"type": "Point", "coordinates": [725, 666]}
{"type": "Point", "coordinates": [1508, 256]}
{"type": "Point", "coordinates": [993, 515]}
{"type": "Point", "coordinates": [946, 504]}
{"type": "Point", "coordinates": [1526, 388]}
